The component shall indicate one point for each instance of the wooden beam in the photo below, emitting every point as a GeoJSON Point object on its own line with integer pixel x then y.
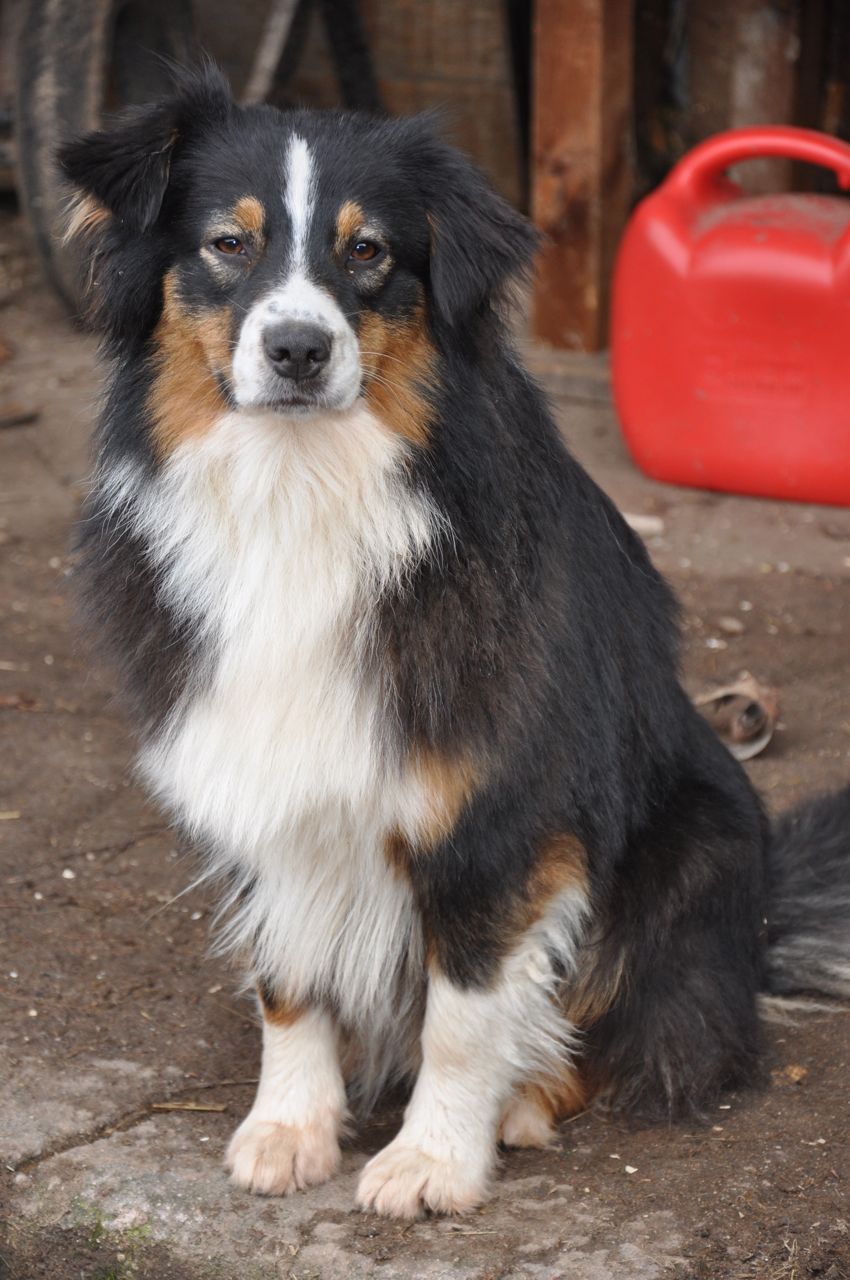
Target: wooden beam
{"type": "Point", "coordinates": [582, 170]}
{"type": "Point", "coordinates": [743, 59]}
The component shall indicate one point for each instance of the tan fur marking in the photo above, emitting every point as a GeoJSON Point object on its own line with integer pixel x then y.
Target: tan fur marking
{"type": "Point", "coordinates": [397, 851]}
{"type": "Point", "coordinates": [449, 785]}
{"type": "Point", "coordinates": [561, 865]}
{"type": "Point", "coordinates": [594, 991]}
{"type": "Point", "coordinates": [85, 216]}
{"type": "Point", "coordinates": [398, 361]}
{"type": "Point", "coordinates": [280, 1013]}
{"type": "Point", "coordinates": [185, 399]}
{"type": "Point", "coordinates": [558, 1098]}
{"type": "Point", "coordinates": [250, 214]}
{"type": "Point", "coordinates": [349, 220]}
{"type": "Point", "coordinates": [213, 330]}
{"type": "Point", "coordinates": [536, 1107]}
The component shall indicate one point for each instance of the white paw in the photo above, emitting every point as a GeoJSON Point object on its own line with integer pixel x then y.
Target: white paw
{"type": "Point", "coordinates": [272, 1159]}
{"type": "Point", "coordinates": [525, 1124]}
{"type": "Point", "coordinates": [403, 1180]}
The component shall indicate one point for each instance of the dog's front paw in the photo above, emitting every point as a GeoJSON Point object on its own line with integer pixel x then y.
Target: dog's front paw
{"type": "Point", "coordinates": [403, 1180]}
{"type": "Point", "coordinates": [272, 1159]}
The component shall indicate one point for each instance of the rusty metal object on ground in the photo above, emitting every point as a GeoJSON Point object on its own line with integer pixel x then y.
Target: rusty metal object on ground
{"type": "Point", "coordinates": [743, 714]}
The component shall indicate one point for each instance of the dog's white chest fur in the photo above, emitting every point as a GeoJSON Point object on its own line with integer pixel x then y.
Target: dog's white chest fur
{"type": "Point", "coordinates": [276, 539]}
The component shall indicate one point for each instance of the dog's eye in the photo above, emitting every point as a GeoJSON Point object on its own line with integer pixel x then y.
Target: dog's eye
{"type": "Point", "coordinates": [364, 251]}
{"type": "Point", "coordinates": [229, 244]}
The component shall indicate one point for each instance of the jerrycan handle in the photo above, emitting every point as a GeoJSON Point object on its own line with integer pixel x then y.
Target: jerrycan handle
{"type": "Point", "coordinates": [699, 175]}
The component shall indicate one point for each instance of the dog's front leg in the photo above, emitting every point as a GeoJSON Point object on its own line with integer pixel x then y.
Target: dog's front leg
{"type": "Point", "coordinates": [473, 1051]}
{"type": "Point", "coordinates": [290, 1138]}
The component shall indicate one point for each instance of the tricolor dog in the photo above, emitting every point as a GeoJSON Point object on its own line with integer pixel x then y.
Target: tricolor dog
{"type": "Point", "coordinates": [401, 670]}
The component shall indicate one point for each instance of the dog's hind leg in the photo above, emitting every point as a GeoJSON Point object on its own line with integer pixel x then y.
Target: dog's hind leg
{"type": "Point", "coordinates": [684, 930]}
{"type": "Point", "coordinates": [531, 1116]}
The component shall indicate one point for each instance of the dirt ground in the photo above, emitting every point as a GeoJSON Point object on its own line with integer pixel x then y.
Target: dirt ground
{"type": "Point", "coordinates": [112, 1005]}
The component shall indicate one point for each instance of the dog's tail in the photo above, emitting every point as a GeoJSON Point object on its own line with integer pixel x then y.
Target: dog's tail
{"type": "Point", "coordinates": [809, 899]}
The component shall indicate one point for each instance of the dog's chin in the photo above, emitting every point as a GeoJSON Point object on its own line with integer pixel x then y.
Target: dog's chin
{"type": "Point", "coordinates": [295, 408]}
{"type": "Point", "coordinates": [298, 406]}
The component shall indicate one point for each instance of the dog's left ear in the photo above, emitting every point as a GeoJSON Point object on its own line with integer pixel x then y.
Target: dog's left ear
{"type": "Point", "coordinates": [479, 243]}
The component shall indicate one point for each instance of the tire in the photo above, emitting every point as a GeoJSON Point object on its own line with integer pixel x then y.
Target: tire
{"type": "Point", "coordinates": [77, 59]}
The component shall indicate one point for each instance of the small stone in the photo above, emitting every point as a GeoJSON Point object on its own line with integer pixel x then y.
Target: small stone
{"type": "Point", "coordinates": [68, 874]}
{"type": "Point", "coordinates": [646, 526]}
{"type": "Point", "coordinates": [793, 1073]}
{"type": "Point", "coordinates": [731, 626]}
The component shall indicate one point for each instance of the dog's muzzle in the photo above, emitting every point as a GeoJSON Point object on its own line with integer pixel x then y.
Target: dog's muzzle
{"type": "Point", "coordinates": [297, 352]}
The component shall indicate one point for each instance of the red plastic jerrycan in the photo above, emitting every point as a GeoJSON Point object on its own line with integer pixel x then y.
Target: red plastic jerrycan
{"type": "Point", "coordinates": [730, 336]}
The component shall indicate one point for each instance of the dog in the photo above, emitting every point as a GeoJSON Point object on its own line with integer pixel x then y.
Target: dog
{"type": "Point", "coordinates": [401, 670]}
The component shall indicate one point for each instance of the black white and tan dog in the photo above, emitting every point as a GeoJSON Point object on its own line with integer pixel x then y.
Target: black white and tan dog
{"type": "Point", "coordinates": [401, 670]}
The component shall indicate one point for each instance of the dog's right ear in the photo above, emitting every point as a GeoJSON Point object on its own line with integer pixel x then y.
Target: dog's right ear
{"type": "Point", "coordinates": [124, 170]}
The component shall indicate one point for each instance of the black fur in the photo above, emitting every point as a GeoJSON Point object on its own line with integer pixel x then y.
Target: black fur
{"type": "Point", "coordinates": [810, 898]}
{"type": "Point", "coordinates": [540, 641]}
{"type": "Point", "coordinates": [479, 243]}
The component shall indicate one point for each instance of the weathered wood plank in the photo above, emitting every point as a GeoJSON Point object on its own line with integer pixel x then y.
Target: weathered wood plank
{"type": "Point", "coordinates": [436, 53]}
{"type": "Point", "coordinates": [743, 61]}
{"type": "Point", "coordinates": [582, 172]}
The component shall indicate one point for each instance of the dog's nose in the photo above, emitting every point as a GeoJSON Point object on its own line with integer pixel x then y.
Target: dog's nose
{"type": "Point", "coordinates": [297, 350]}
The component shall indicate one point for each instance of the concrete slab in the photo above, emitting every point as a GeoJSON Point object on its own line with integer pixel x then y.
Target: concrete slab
{"type": "Point", "coordinates": [46, 1106]}
{"type": "Point", "coordinates": [159, 1183]}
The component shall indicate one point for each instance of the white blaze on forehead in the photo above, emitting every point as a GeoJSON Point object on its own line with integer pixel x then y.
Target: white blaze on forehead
{"type": "Point", "coordinates": [299, 195]}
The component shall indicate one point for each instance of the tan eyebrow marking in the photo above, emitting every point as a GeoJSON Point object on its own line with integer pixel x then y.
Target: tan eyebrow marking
{"type": "Point", "coordinates": [250, 214]}
{"type": "Point", "coordinates": [349, 220]}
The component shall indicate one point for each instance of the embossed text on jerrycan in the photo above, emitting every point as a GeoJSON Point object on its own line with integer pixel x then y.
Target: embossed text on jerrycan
{"type": "Point", "coordinates": [730, 333]}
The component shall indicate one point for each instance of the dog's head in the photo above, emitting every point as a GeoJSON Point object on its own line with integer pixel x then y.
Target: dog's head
{"type": "Point", "coordinates": [303, 256]}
